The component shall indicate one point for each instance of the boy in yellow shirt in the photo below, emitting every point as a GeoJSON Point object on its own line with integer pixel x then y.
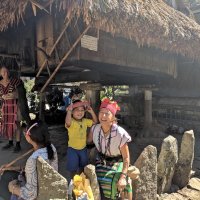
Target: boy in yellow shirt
{"type": "Point", "coordinates": [77, 125]}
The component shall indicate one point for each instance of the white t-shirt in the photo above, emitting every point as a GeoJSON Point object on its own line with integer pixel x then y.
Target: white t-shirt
{"type": "Point", "coordinates": [118, 137]}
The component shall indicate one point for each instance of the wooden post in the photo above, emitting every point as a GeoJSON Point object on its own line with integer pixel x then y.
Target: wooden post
{"type": "Point", "coordinates": [54, 46]}
{"type": "Point", "coordinates": [148, 108]}
{"type": "Point", "coordinates": [41, 106]}
{"type": "Point", "coordinates": [93, 94]}
{"type": "Point", "coordinates": [64, 58]}
{"type": "Point", "coordinates": [40, 36]}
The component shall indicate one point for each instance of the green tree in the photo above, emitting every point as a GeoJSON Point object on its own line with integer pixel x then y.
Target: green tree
{"type": "Point", "coordinates": [32, 97]}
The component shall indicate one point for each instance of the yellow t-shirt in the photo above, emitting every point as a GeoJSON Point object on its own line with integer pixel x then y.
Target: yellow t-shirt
{"type": "Point", "coordinates": [78, 133]}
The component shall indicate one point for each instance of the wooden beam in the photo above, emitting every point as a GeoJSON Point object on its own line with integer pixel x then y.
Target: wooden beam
{"type": "Point", "coordinates": [8, 56]}
{"type": "Point", "coordinates": [64, 58]}
{"type": "Point", "coordinates": [54, 46]}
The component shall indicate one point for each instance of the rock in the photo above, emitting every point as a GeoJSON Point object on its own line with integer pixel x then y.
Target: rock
{"type": "Point", "coordinates": [166, 163]}
{"type": "Point", "coordinates": [194, 183]}
{"type": "Point", "coordinates": [173, 196]}
{"type": "Point", "coordinates": [51, 185]}
{"type": "Point", "coordinates": [185, 161]}
{"type": "Point", "coordinates": [145, 188]}
{"type": "Point", "coordinates": [161, 196]}
{"type": "Point", "coordinates": [190, 192]}
{"type": "Point", "coordinates": [90, 173]}
{"type": "Point", "coordinates": [174, 188]}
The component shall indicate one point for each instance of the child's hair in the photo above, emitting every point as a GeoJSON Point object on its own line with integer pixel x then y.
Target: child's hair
{"type": "Point", "coordinates": [39, 133]}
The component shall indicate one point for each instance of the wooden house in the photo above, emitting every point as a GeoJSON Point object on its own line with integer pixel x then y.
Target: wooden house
{"type": "Point", "coordinates": [109, 42]}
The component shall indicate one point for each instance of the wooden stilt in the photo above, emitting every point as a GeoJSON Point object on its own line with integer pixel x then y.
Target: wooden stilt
{"type": "Point", "coordinates": [41, 106]}
{"type": "Point", "coordinates": [64, 58]}
{"type": "Point", "coordinates": [53, 48]}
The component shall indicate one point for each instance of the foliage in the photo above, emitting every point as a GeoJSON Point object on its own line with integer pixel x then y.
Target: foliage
{"type": "Point", "coordinates": [112, 91]}
{"type": "Point", "coordinates": [32, 97]}
{"type": "Point", "coordinates": [28, 84]}
{"type": "Point", "coordinates": [108, 92]}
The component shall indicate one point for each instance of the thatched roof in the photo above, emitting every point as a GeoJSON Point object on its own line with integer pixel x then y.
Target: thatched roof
{"type": "Point", "coordinates": [148, 22]}
{"type": "Point", "coordinates": [11, 12]}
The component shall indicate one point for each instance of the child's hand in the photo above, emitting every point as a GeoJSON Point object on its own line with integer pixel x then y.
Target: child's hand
{"type": "Point", "coordinates": [89, 109]}
{"type": "Point", "coordinates": [121, 184]}
{"type": "Point", "coordinates": [70, 107]}
{"type": "Point", "coordinates": [3, 168]}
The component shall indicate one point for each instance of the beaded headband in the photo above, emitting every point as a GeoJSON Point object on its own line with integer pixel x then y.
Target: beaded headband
{"type": "Point", "coordinates": [28, 131]}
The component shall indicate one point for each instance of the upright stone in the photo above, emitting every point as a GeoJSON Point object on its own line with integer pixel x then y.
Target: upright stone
{"type": "Point", "coordinates": [146, 186]}
{"type": "Point", "coordinates": [51, 185]}
{"type": "Point", "coordinates": [166, 163]}
{"type": "Point", "coordinates": [90, 173]}
{"type": "Point", "coordinates": [185, 161]}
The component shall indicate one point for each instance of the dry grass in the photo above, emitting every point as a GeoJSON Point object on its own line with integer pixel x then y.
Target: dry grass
{"type": "Point", "coordinates": [148, 22]}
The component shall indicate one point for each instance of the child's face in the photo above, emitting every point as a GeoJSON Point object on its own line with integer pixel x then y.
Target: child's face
{"type": "Point", "coordinates": [78, 113]}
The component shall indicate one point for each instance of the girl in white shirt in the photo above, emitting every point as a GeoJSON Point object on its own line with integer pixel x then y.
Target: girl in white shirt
{"type": "Point", "coordinates": [38, 136]}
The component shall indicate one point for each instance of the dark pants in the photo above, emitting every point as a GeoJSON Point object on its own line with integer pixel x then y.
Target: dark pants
{"type": "Point", "coordinates": [5, 179]}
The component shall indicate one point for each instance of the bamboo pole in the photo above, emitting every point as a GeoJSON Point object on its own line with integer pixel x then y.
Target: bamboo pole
{"type": "Point", "coordinates": [20, 157]}
{"type": "Point", "coordinates": [14, 161]}
{"type": "Point", "coordinates": [52, 49]}
{"type": "Point", "coordinates": [64, 58]}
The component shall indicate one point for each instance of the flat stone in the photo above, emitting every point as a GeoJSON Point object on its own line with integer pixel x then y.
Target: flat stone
{"type": "Point", "coordinates": [190, 192]}
{"type": "Point", "coordinates": [194, 183]}
{"type": "Point", "coordinates": [173, 196]}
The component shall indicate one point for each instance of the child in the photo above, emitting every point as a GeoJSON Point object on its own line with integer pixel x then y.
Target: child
{"type": "Point", "coordinates": [38, 136]}
{"type": "Point", "coordinates": [77, 125]}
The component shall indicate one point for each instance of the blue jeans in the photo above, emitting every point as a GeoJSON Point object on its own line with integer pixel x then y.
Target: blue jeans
{"type": "Point", "coordinates": [76, 159]}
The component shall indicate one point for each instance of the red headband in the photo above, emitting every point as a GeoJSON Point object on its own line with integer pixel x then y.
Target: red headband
{"type": "Point", "coordinates": [112, 106]}
{"type": "Point", "coordinates": [81, 103]}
